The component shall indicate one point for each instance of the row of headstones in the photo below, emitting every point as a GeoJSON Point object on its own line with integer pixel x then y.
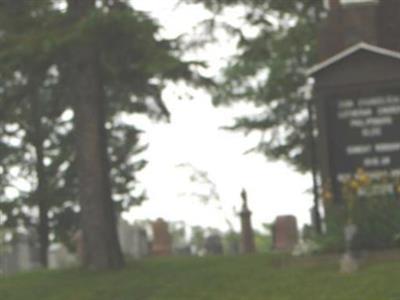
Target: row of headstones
{"type": "Point", "coordinates": [22, 253]}
{"type": "Point", "coordinates": [285, 238]}
{"type": "Point", "coordinates": [136, 244]}
{"type": "Point", "coordinates": [162, 244]}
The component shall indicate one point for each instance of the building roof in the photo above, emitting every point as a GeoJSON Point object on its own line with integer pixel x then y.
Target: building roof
{"type": "Point", "coordinates": [348, 52]}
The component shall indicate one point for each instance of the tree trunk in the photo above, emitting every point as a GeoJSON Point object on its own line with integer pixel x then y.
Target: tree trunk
{"type": "Point", "coordinates": [41, 196]}
{"type": "Point", "coordinates": [37, 140]}
{"type": "Point", "coordinates": [100, 240]}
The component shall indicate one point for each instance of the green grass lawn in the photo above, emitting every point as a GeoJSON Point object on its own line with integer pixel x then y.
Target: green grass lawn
{"type": "Point", "coordinates": [220, 278]}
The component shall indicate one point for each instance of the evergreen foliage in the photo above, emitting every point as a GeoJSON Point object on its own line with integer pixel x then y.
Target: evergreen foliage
{"type": "Point", "coordinates": [276, 44]}
{"type": "Point", "coordinates": [37, 92]}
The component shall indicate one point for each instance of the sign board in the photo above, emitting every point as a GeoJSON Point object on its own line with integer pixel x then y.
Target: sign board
{"type": "Point", "coordinates": [364, 133]}
{"type": "Point", "coordinates": [358, 114]}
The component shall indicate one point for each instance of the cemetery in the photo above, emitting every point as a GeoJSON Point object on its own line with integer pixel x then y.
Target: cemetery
{"type": "Point", "coordinates": [324, 80]}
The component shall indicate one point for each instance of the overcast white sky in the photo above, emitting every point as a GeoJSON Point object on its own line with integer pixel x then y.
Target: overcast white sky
{"type": "Point", "coordinates": [194, 136]}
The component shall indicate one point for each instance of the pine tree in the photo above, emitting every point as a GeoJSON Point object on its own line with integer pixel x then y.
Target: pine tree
{"type": "Point", "coordinates": [276, 44]}
{"type": "Point", "coordinates": [105, 60]}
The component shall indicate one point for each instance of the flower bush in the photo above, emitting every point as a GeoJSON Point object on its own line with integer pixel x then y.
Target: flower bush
{"type": "Point", "coordinates": [372, 204]}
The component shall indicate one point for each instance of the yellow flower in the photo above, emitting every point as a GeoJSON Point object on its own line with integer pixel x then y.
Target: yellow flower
{"type": "Point", "coordinates": [362, 177]}
{"type": "Point", "coordinates": [354, 185]}
{"type": "Point", "coordinates": [327, 196]}
{"type": "Point", "coordinates": [364, 180]}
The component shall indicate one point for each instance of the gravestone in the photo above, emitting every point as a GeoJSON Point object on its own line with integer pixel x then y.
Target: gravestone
{"type": "Point", "coordinates": [285, 233]}
{"type": "Point", "coordinates": [162, 242]}
{"type": "Point", "coordinates": [133, 240]}
{"type": "Point", "coordinates": [232, 243]}
{"type": "Point", "coordinates": [21, 248]}
{"type": "Point", "coordinates": [213, 245]}
{"type": "Point", "coordinates": [183, 250]}
{"type": "Point", "coordinates": [180, 244]}
{"type": "Point", "coordinates": [348, 262]}
{"type": "Point", "coordinates": [140, 243]}
{"type": "Point", "coordinates": [60, 258]}
{"type": "Point", "coordinates": [21, 253]}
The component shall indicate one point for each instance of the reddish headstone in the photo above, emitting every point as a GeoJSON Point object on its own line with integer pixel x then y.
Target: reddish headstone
{"type": "Point", "coordinates": [286, 234]}
{"type": "Point", "coordinates": [162, 245]}
{"type": "Point", "coordinates": [334, 4]}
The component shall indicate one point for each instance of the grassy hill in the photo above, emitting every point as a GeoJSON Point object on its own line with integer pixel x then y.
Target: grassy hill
{"type": "Point", "coordinates": [220, 278]}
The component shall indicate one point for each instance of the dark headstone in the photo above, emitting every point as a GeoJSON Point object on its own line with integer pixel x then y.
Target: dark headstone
{"type": "Point", "coordinates": [213, 245]}
{"type": "Point", "coordinates": [232, 243]}
{"type": "Point", "coordinates": [183, 251]}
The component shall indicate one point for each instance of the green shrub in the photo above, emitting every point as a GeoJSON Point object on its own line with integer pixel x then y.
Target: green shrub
{"type": "Point", "coordinates": [375, 213]}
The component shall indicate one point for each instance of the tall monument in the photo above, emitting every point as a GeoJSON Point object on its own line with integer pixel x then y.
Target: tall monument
{"type": "Point", "coordinates": [247, 237]}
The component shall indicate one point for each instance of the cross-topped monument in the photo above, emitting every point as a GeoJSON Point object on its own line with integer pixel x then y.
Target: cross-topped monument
{"type": "Point", "coordinates": [247, 236]}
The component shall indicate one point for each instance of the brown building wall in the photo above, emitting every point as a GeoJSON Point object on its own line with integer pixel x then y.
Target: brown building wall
{"type": "Point", "coordinates": [345, 26]}
{"type": "Point", "coordinates": [388, 23]}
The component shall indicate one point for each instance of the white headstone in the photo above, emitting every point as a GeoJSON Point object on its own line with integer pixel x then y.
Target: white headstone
{"type": "Point", "coordinates": [133, 240]}
{"type": "Point", "coordinates": [61, 258]}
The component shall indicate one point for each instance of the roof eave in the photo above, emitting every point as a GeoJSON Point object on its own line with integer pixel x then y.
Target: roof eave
{"type": "Point", "coordinates": [349, 51]}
